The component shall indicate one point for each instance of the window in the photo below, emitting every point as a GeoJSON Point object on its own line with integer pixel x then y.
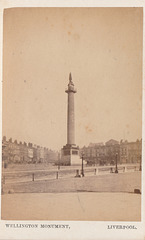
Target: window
{"type": "Point", "coordinates": [74, 152]}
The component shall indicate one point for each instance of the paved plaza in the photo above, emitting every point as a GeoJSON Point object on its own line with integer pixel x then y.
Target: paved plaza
{"type": "Point", "coordinates": [72, 206]}
{"type": "Point", "coordinates": [121, 182]}
{"type": "Point", "coordinates": [100, 198]}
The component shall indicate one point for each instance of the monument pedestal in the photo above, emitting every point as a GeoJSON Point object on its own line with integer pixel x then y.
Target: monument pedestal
{"type": "Point", "coordinates": [70, 155]}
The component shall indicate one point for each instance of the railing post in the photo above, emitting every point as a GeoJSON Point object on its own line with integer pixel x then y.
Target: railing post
{"type": "Point", "coordinates": [57, 175]}
{"type": "Point", "coordinates": [77, 173]}
{"type": "Point", "coordinates": [111, 170]}
{"type": "Point", "coordinates": [135, 168]}
{"type": "Point", "coordinates": [33, 177]}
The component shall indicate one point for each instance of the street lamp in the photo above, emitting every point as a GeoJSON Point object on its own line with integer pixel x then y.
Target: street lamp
{"type": "Point", "coordinates": [58, 161]}
{"type": "Point", "coordinates": [140, 167]}
{"type": "Point", "coordinates": [116, 168]}
{"type": "Point", "coordinates": [58, 164]}
{"type": "Point", "coordinates": [82, 171]}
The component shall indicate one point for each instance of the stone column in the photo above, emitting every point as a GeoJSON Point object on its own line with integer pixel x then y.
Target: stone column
{"type": "Point", "coordinates": [70, 113]}
{"type": "Point", "coordinates": [70, 152]}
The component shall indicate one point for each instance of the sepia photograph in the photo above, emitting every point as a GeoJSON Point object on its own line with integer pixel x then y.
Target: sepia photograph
{"type": "Point", "coordinates": [72, 114]}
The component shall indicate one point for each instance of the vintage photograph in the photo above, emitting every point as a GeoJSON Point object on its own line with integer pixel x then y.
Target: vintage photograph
{"type": "Point", "coordinates": [72, 114]}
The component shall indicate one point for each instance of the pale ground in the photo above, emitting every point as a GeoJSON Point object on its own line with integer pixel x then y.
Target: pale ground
{"type": "Point", "coordinates": [121, 182]}
{"type": "Point", "coordinates": [100, 198]}
{"type": "Point", "coordinates": [72, 206]}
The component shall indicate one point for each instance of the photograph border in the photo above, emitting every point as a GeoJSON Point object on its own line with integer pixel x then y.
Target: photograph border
{"type": "Point", "coordinates": [76, 229]}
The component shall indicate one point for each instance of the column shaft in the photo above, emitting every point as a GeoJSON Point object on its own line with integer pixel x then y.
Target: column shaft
{"type": "Point", "coordinates": [70, 119]}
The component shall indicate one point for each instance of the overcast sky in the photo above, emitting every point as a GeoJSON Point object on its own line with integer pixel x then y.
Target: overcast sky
{"type": "Point", "coordinates": [101, 47]}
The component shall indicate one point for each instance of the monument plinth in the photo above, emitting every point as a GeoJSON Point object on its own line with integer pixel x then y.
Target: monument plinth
{"type": "Point", "coordinates": [70, 152]}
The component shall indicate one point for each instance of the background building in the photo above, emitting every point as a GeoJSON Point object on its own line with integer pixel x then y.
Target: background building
{"type": "Point", "coordinates": [14, 152]}
{"type": "Point", "coordinates": [94, 154]}
{"type": "Point", "coordinates": [105, 154]}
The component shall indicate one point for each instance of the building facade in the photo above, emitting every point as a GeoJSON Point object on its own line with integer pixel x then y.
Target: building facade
{"type": "Point", "coordinates": [106, 154]}
{"type": "Point", "coordinates": [14, 152]}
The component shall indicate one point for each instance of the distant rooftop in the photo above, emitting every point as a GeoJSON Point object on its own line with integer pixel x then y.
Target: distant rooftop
{"type": "Point", "coordinates": [96, 144]}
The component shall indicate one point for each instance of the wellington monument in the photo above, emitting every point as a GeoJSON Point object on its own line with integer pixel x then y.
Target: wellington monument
{"type": "Point", "coordinates": [70, 152]}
